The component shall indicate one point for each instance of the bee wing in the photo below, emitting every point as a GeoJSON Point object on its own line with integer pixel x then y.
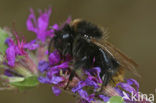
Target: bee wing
{"type": "Point", "coordinates": [123, 59]}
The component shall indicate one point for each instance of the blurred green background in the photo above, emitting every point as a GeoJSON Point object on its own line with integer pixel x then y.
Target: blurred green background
{"type": "Point", "coordinates": [132, 27]}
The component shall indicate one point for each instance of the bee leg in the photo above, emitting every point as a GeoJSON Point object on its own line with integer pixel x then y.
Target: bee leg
{"type": "Point", "coordinates": [72, 74]}
{"type": "Point", "coordinates": [105, 78]}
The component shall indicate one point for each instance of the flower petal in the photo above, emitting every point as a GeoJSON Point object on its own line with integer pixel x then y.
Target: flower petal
{"type": "Point", "coordinates": [132, 81]}
{"type": "Point", "coordinates": [56, 79]}
{"type": "Point", "coordinates": [54, 58]}
{"type": "Point", "coordinates": [63, 65]}
{"type": "Point", "coordinates": [9, 41]}
{"type": "Point", "coordinates": [83, 94]}
{"type": "Point", "coordinates": [56, 90]}
{"type": "Point", "coordinates": [91, 83]}
{"type": "Point", "coordinates": [43, 80]}
{"type": "Point", "coordinates": [104, 98]}
{"type": "Point", "coordinates": [32, 22]}
{"type": "Point", "coordinates": [43, 66]}
{"type": "Point", "coordinates": [43, 20]}
{"type": "Point", "coordinates": [31, 45]}
{"type": "Point", "coordinates": [79, 86]}
{"type": "Point", "coordinates": [127, 87]}
{"type": "Point", "coordinates": [10, 53]}
{"type": "Point", "coordinates": [55, 27]}
{"type": "Point", "coordinates": [8, 73]}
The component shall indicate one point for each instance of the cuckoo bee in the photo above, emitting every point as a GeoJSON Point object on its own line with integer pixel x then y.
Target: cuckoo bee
{"type": "Point", "coordinates": [87, 45]}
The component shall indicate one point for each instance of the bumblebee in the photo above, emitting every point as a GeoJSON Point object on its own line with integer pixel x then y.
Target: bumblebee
{"type": "Point", "coordinates": [87, 45]}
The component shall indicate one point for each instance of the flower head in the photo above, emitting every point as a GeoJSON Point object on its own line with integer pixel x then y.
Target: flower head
{"type": "Point", "coordinates": [40, 25]}
{"type": "Point", "coordinates": [55, 69]}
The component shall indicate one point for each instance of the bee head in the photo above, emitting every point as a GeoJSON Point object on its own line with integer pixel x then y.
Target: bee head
{"type": "Point", "coordinates": [63, 40]}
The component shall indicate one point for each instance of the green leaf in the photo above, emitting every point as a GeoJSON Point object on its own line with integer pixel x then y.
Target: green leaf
{"type": "Point", "coordinates": [3, 36]}
{"type": "Point", "coordinates": [15, 79]}
{"type": "Point", "coordinates": [26, 83]}
{"type": "Point", "coordinates": [116, 99]}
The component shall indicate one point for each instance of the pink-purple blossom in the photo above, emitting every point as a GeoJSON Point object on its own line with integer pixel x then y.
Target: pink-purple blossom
{"type": "Point", "coordinates": [54, 58]}
{"type": "Point", "coordinates": [40, 25]}
{"type": "Point", "coordinates": [53, 68]}
{"type": "Point", "coordinates": [11, 54]}
{"type": "Point", "coordinates": [56, 90]}
{"type": "Point", "coordinates": [18, 49]}
{"type": "Point", "coordinates": [32, 45]}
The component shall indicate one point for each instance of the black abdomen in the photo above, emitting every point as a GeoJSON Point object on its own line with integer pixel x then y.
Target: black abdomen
{"type": "Point", "coordinates": [87, 55]}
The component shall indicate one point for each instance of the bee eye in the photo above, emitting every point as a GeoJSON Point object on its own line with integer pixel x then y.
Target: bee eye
{"type": "Point", "coordinates": [65, 36]}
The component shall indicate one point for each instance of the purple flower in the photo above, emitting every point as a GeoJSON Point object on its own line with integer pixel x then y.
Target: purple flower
{"type": "Point", "coordinates": [56, 79]}
{"type": "Point", "coordinates": [120, 92]}
{"type": "Point", "coordinates": [96, 71]}
{"type": "Point", "coordinates": [8, 73]}
{"type": "Point", "coordinates": [53, 69]}
{"type": "Point", "coordinates": [69, 19]}
{"type": "Point", "coordinates": [42, 66]}
{"type": "Point", "coordinates": [79, 86]}
{"type": "Point", "coordinates": [18, 49]}
{"type": "Point", "coordinates": [84, 95]}
{"type": "Point", "coordinates": [11, 54]}
{"type": "Point", "coordinates": [56, 90]}
{"type": "Point", "coordinates": [53, 80]}
{"type": "Point", "coordinates": [55, 27]}
{"type": "Point", "coordinates": [44, 80]}
{"type": "Point", "coordinates": [31, 45]}
{"type": "Point", "coordinates": [90, 82]}
{"type": "Point", "coordinates": [104, 98]}
{"type": "Point", "coordinates": [9, 42]}
{"type": "Point", "coordinates": [40, 25]}
{"type": "Point", "coordinates": [132, 81]}
{"type": "Point", "coordinates": [54, 58]}
{"type": "Point", "coordinates": [127, 87]}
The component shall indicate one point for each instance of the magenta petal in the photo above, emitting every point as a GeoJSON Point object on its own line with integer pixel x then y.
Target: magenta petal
{"type": "Point", "coordinates": [56, 90]}
{"type": "Point", "coordinates": [43, 20]}
{"type": "Point", "coordinates": [31, 22]}
{"type": "Point", "coordinates": [40, 25]}
{"type": "Point", "coordinates": [69, 19]}
{"type": "Point", "coordinates": [54, 58]}
{"type": "Point", "coordinates": [55, 27]}
{"type": "Point", "coordinates": [10, 53]}
{"type": "Point", "coordinates": [63, 65]}
{"type": "Point", "coordinates": [31, 45]}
